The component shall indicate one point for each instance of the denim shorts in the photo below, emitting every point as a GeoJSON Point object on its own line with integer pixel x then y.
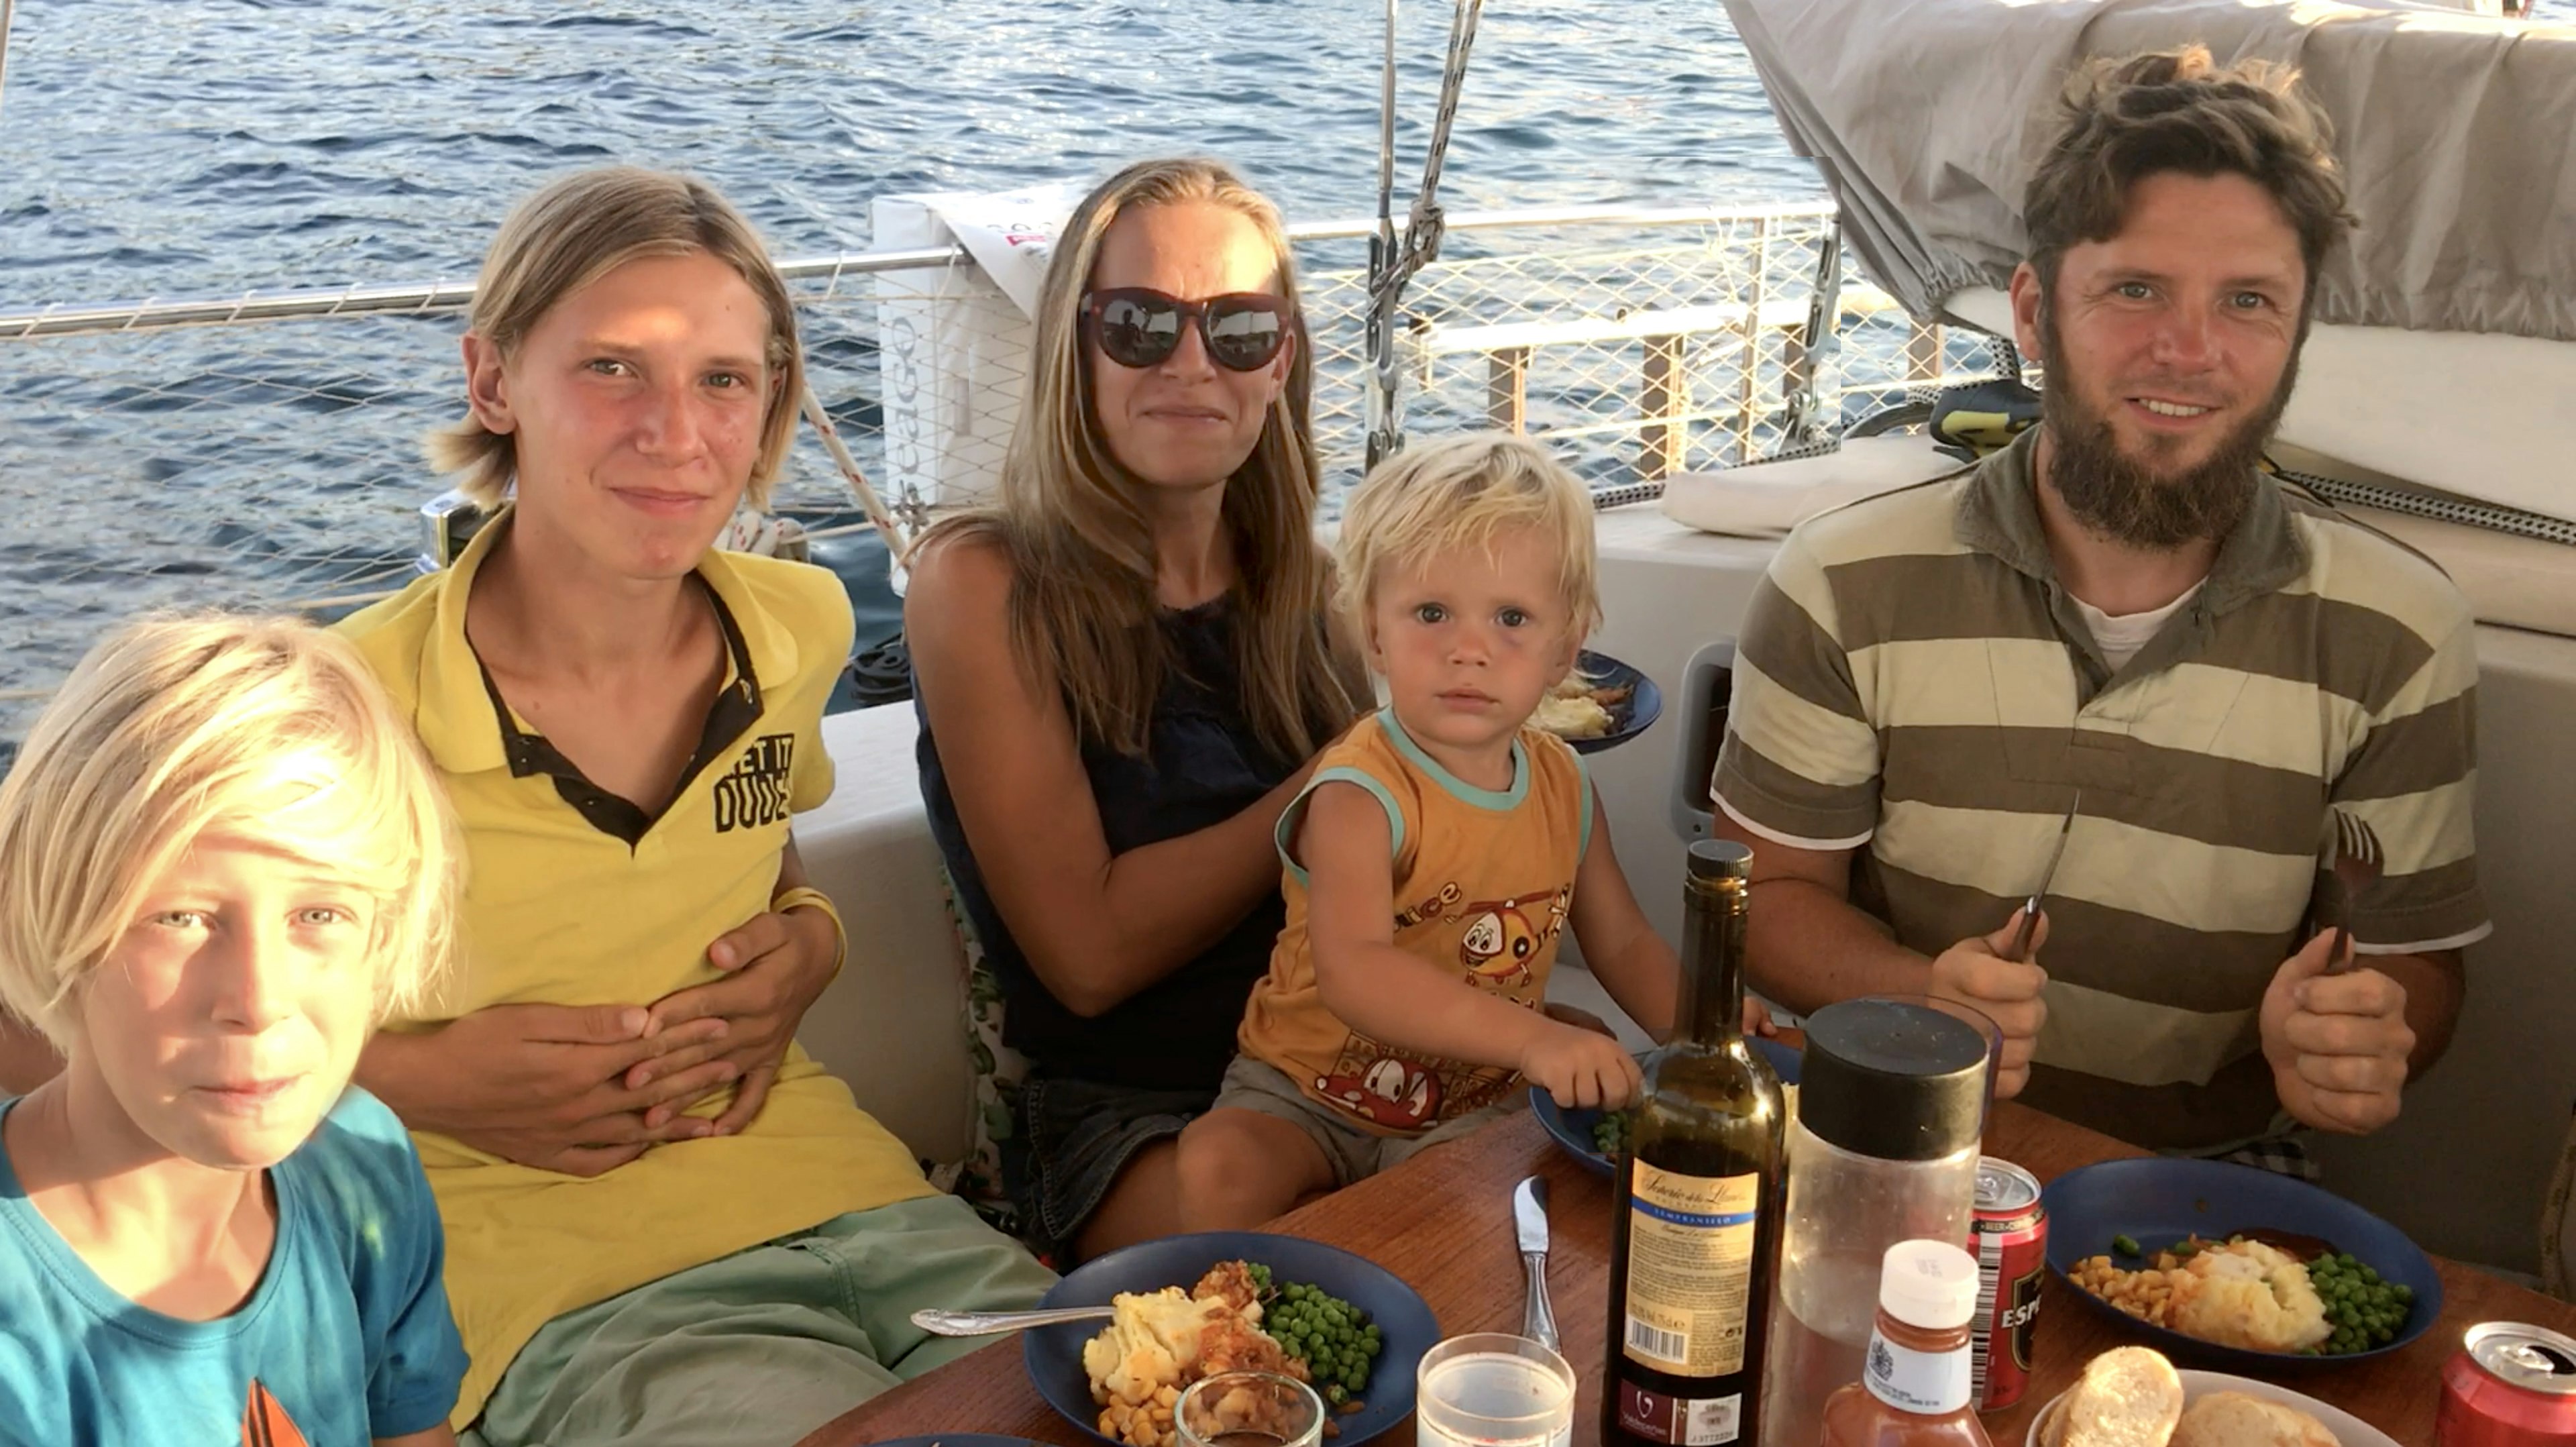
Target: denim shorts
{"type": "Point", "coordinates": [1074, 1137]}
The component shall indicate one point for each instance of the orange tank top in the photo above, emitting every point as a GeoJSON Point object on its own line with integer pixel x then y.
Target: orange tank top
{"type": "Point", "coordinates": [1483, 880]}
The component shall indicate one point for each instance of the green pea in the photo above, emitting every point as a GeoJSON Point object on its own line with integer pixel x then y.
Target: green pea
{"type": "Point", "coordinates": [1336, 1395]}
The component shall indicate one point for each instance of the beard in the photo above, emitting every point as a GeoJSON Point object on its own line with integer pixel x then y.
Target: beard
{"type": "Point", "coordinates": [2119, 497]}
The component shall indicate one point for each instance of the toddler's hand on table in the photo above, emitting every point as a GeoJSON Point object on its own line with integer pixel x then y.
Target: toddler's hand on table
{"type": "Point", "coordinates": [1582, 1069]}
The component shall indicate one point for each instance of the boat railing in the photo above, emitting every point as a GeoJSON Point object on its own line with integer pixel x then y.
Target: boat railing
{"type": "Point", "coordinates": [263, 449]}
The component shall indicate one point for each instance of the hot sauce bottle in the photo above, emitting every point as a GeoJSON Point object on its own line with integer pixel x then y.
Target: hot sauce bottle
{"type": "Point", "coordinates": [1917, 1380]}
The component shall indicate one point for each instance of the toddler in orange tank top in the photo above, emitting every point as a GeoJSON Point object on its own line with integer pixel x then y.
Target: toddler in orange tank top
{"type": "Point", "coordinates": [1436, 856]}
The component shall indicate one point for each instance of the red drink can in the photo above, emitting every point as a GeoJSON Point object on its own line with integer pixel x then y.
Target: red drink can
{"type": "Point", "coordinates": [2010, 1241]}
{"type": "Point", "coordinates": [2511, 1386]}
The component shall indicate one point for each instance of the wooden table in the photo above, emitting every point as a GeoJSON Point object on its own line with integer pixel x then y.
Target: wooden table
{"type": "Point", "coordinates": [1442, 1221]}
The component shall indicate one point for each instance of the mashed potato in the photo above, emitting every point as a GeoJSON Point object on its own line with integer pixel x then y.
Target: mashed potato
{"type": "Point", "coordinates": [1159, 1342]}
{"type": "Point", "coordinates": [1579, 717]}
{"type": "Point", "coordinates": [1137, 1364]}
{"type": "Point", "coordinates": [2241, 1294]}
{"type": "Point", "coordinates": [2247, 1294]}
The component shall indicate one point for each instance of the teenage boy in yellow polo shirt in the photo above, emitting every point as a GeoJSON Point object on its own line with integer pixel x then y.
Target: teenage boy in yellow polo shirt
{"type": "Point", "coordinates": [665, 1223]}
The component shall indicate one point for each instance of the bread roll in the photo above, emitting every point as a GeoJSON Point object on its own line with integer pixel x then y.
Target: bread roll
{"type": "Point", "coordinates": [2050, 1430]}
{"type": "Point", "coordinates": [2233, 1419]}
{"type": "Point", "coordinates": [2129, 1397]}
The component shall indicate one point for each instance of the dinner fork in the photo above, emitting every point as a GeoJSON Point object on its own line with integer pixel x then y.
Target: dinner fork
{"type": "Point", "coordinates": [2357, 865]}
{"type": "Point", "coordinates": [987, 1323]}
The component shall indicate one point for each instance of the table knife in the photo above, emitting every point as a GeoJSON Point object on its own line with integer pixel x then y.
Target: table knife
{"type": "Point", "coordinates": [1529, 1221]}
{"type": "Point", "coordinates": [2030, 911]}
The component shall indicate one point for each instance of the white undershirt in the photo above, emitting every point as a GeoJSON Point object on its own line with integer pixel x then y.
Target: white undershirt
{"type": "Point", "coordinates": [2120, 638]}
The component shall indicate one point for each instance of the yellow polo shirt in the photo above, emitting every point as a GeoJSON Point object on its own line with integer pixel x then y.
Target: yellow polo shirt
{"type": "Point", "coordinates": [561, 907]}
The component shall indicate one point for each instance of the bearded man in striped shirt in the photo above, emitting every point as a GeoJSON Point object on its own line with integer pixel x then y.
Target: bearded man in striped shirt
{"type": "Point", "coordinates": [2122, 604]}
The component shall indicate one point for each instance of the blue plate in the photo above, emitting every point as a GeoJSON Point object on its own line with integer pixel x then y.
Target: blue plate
{"type": "Point", "coordinates": [2157, 1201]}
{"type": "Point", "coordinates": [1054, 1353]}
{"type": "Point", "coordinates": [1573, 1128]}
{"type": "Point", "coordinates": [1645, 701]}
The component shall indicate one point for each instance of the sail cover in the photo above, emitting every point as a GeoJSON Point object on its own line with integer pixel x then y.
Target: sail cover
{"type": "Point", "coordinates": [2457, 134]}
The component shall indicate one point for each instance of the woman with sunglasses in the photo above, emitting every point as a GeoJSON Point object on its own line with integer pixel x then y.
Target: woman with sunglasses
{"type": "Point", "coordinates": [1121, 673]}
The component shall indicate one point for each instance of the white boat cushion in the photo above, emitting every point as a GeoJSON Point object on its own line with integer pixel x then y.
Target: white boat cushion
{"type": "Point", "coordinates": [1766, 499]}
{"type": "Point", "coordinates": [892, 1025]}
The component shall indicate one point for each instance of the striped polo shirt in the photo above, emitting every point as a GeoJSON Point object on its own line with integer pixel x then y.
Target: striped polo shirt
{"type": "Point", "coordinates": [1914, 684]}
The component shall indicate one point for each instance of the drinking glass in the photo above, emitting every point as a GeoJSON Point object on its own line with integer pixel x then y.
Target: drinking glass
{"type": "Point", "coordinates": [1493, 1390]}
{"type": "Point", "coordinates": [1249, 1409]}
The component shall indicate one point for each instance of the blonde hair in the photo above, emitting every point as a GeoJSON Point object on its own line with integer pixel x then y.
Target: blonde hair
{"type": "Point", "coordinates": [264, 728]}
{"type": "Point", "coordinates": [1458, 492]}
{"type": "Point", "coordinates": [1083, 600]}
{"type": "Point", "coordinates": [579, 229]}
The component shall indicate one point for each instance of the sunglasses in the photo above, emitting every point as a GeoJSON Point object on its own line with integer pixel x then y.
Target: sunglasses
{"type": "Point", "coordinates": [1137, 326]}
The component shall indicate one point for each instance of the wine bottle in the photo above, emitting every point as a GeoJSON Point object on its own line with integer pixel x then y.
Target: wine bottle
{"type": "Point", "coordinates": [1695, 1229]}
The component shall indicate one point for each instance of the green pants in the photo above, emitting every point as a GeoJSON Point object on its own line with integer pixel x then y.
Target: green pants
{"type": "Point", "coordinates": [761, 1347]}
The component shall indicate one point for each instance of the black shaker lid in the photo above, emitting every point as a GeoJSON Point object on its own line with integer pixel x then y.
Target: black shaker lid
{"type": "Point", "coordinates": [1893, 1079]}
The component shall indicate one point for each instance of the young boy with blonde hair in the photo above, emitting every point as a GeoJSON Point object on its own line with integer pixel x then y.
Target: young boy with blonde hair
{"type": "Point", "coordinates": [1441, 848]}
{"type": "Point", "coordinates": [222, 860]}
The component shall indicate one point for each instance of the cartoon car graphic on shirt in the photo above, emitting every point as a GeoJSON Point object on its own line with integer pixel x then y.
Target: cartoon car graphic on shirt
{"type": "Point", "coordinates": [1384, 1090]}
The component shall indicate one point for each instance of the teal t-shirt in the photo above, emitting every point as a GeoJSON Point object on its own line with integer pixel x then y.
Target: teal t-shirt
{"type": "Point", "coordinates": [347, 1335]}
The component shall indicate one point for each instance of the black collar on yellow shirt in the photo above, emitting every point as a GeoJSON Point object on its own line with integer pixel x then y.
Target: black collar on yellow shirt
{"type": "Point", "coordinates": [731, 716]}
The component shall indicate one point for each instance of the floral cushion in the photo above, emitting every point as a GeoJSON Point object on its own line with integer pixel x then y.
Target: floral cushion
{"type": "Point", "coordinates": [998, 1071]}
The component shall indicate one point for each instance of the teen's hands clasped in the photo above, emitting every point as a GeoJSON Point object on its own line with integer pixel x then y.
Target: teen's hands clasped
{"type": "Point", "coordinates": [559, 1087]}
{"type": "Point", "coordinates": [775, 966]}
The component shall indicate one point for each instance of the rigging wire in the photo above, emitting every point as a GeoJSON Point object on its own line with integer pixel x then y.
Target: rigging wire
{"type": "Point", "coordinates": [1390, 267]}
{"type": "Point", "coordinates": [898, 547]}
{"type": "Point", "coordinates": [1384, 435]}
{"type": "Point", "coordinates": [6, 6]}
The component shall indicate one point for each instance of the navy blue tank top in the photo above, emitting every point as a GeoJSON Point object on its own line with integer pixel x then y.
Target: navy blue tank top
{"type": "Point", "coordinates": [1203, 764]}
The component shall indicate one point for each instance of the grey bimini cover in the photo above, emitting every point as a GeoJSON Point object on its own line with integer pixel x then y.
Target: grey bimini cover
{"type": "Point", "coordinates": [2457, 134]}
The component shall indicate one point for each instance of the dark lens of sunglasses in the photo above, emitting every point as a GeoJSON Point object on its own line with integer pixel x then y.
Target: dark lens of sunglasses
{"type": "Point", "coordinates": [1138, 334]}
{"type": "Point", "coordinates": [1244, 335]}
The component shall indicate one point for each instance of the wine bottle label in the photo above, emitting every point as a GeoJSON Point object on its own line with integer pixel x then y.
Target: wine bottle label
{"type": "Point", "coordinates": [1680, 1421]}
{"type": "Point", "coordinates": [1927, 1383]}
{"type": "Point", "coordinates": [1690, 1271]}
